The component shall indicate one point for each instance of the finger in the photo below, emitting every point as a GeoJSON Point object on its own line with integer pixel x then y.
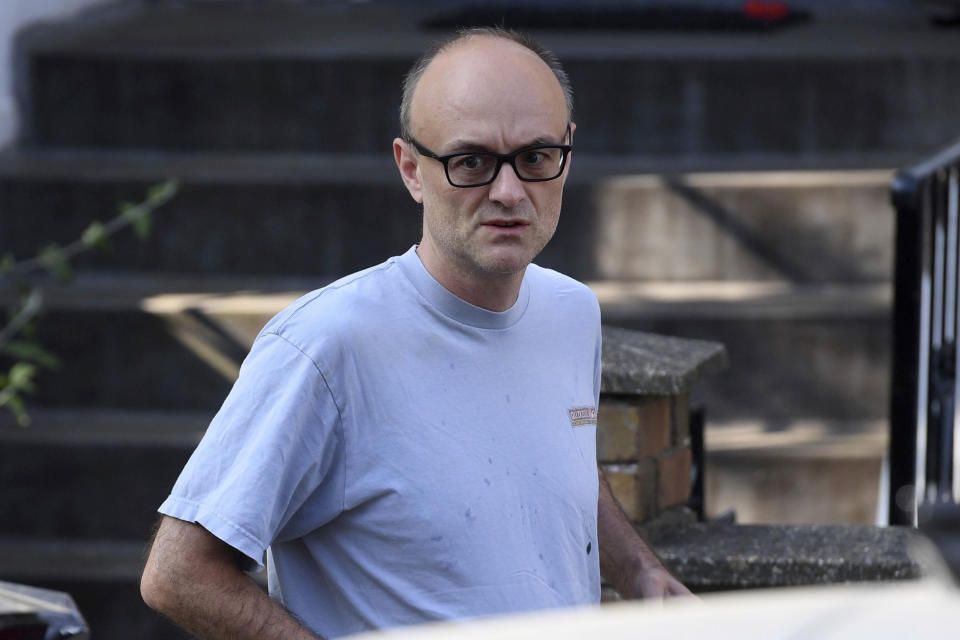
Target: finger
{"type": "Point", "coordinates": [652, 588]}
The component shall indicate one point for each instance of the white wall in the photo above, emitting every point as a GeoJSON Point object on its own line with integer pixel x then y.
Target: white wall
{"type": "Point", "coordinates": [15, 14]}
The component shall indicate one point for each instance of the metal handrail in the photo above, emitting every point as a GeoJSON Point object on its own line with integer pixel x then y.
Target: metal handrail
{"type": "Point", "coordinates": [924, 453]}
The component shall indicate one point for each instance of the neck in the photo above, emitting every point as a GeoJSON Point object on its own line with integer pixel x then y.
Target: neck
{"type": "Point", "coordinates": [490, 291]}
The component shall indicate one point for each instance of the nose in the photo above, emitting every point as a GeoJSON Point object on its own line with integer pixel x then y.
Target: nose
{"type": "Point", "coordinates": [507, 188]}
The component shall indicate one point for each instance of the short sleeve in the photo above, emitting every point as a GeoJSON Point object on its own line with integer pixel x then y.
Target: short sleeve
{"type": "Point", "coordinates": [270, 466]}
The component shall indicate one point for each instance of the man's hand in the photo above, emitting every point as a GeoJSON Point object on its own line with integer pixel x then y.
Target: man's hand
{"type": "Point", "coordinates": [656, 583]}
{"type": "Point", "coordinates": [625, 559]}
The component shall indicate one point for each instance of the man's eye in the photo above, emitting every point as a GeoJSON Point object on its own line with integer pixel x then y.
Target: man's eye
{"type": "Point", "coordinates": [532, 158]}
{"type": "Point", "coordinates": [470, 163]}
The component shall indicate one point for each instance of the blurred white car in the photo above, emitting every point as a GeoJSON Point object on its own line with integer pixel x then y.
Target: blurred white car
{"type": "Point", "coordinates": [928, 609]}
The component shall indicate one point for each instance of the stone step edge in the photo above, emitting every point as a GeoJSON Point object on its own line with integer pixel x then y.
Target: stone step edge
{"type": "Point", "coordinates": [23, 559]}
{"type": "Point", "coordinates": [820, 439]}
{"type": "Point", "coordinates": [106, 426]}
{"type": "Point", "coordinates": [735, 171]}
{"type": "Point", "coordinates": [736, 299]}
{"type": "Point", "coordinates": [58, 559]}
{"type": "Point", "coordinates": [619, 300]}
{"type": "Point", "coordinates": [365, 30]}
{"type": "Point", "coordinates": [719, 554]}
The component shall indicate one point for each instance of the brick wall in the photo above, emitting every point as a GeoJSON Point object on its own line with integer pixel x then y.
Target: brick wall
{"type": "Point", "coordinates": [643, 446]}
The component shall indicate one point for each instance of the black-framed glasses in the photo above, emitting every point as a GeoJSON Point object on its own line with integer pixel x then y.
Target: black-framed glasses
{"type": "Point", "coordinates": [536, 163]}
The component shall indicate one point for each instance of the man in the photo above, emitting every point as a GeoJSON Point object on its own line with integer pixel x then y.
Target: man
{"type": "Point", "coordinates": [416, 441]}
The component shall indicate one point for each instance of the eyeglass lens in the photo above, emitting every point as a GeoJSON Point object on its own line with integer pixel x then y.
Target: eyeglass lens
{"type": "Point", "coordinates": [543, 163]}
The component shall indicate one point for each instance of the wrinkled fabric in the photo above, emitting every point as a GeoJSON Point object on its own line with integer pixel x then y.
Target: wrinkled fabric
{"type": "Point", "coordinates": [403, 456]}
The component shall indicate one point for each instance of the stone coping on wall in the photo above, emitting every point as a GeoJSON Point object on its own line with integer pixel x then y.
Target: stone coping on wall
{"type": "Point", "coordinates": [717, 556]}
{"type": "Point", "coordinates": [640, 363]}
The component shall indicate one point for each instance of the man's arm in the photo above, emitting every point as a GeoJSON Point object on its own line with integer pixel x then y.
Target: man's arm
{"type": "Point", "coordinates": [625, 559]}
{"type": "Point", "coordinates": [194, 578]}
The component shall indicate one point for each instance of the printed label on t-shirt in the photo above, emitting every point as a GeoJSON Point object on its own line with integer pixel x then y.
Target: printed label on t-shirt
{"type": "Point", "coordinates": [580, 416]}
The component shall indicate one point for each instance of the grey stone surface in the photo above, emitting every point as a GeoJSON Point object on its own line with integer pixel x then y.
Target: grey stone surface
{"type": "Point", "coordinates": [234, 215]}
{"type": "Point", "coordinates": [239, 229]}
{"type": "Point", "coordinates": [132, 359]}
{"type": "Point", "coordinates": [833, 366]}
{"type": "Point", "coordinates": [102, 491]}
{"type": "Point", "coordinates": [648, 364]}
{"type": "Point", "coordinates": [722, 556]}
{"type": "Point", "coordinates": [238, 223]}
{"type": "Point", "coordinates": [798, 226]}
{"type": "Point", "coordinates": [163, 79]}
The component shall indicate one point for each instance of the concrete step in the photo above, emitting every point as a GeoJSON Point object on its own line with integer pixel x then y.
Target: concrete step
{"type": "Point", "coordinates": [308, 76]}
{"type": "Point", "coordinates": [805, 472]}
{"type": "Point", "coordinates": [826, 364]}
{"type": "Point", "coordinates": [799, 226]}
{"type": "Point", "coordinates": [795, 351]}
{"type": "Point", "coordinates": [151, 342]}
{"type": "Point", "coordinates": [91, 474]}
{"type": "Point", "coordinates": [269, 219]}
{"type": "Point", "coordinates": [136, 359]}
{"type": "Point", "coordinates": [102, 576]}
{"type": "Point", "coordinates": [234, 214]}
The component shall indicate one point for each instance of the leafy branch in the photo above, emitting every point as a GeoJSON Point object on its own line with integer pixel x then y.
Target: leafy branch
{"type": "Point", "coordinates": [17, 339]}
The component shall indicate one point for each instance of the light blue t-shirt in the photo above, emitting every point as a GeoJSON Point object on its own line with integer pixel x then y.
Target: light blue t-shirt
{"type": "Point", "coordinates": [403, 456]}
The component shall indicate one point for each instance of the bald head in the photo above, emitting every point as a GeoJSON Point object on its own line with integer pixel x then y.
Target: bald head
{"type": "Point", "coordinates": [487, 90]}
{"type": "Point", "coordinates": [481, 36]}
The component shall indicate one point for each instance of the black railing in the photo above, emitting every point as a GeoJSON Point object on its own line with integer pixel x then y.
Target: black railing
{"type": "Point", "coordinates": [924, 452]}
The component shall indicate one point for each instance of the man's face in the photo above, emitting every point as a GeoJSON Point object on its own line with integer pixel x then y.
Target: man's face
{"type": "Point", "coordinates": [487, 94]}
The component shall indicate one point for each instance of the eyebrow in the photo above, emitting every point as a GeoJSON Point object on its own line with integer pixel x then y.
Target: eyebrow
{"type": "Point", "coordinates": [465, 146]}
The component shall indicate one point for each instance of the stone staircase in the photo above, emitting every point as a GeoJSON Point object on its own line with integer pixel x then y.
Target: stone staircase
{"type": "Point", "coordinates": [725, 186]}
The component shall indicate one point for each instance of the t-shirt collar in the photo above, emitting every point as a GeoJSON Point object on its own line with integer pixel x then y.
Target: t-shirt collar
{"type": "Point", "coordinates": [456, 308]}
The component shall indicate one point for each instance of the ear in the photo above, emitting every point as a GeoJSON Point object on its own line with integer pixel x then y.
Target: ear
{"type": "Point", "coordinates": [566, 169]}
{"type": "Point", "coordinates": [406, 160]}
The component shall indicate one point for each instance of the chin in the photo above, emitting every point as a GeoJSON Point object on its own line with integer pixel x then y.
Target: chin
{"type": "Point", "coordinates": [505, 265]}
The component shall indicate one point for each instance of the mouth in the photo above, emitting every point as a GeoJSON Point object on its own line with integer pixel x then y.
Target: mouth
{"type": "Point", "coordinates": [505, 224]}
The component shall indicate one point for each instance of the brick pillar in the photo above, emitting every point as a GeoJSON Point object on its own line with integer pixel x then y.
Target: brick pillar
{"type": "Point", "coordinates": [643, 446]}
{"type": "Point", "coordinates": [643, 422]}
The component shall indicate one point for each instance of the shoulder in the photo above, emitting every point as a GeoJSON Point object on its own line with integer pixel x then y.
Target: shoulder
{"type": "Point", "coordinates": [556, 288]}
{"type": "Point", "coordinates": [564, 307]}
{"type": "Point", "coordinates": [342, 306]}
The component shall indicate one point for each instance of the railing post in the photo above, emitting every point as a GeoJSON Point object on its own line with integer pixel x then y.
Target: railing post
{"type": "Point", "coordinates": [905, 365]}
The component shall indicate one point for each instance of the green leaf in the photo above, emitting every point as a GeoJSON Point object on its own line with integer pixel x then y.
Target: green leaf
{"type": "Point", "coordinates": [95, 236]}
{"type": "Point", "coordinates": [7, 264]}
{"type": "Point", "coordinates": [21, 376]}
{"type": "Point", "coordinates": [139, 217]}
{"type": "Point", "coordinates": [160, 193]}
{"type": "Point", "coordinates": [32, 352]}
{"type": "Point", "coordinates": [54, 261]}
{"type": "Point", "coordinates": [141, 226]}
{"type": "Point", "coordinates": [14, 403]}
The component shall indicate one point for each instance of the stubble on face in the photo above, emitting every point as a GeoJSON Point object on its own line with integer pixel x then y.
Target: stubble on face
{"type": "Point", "coordinates": [461, 238]}
{"type": "Point", "coordinates": [499, 96]}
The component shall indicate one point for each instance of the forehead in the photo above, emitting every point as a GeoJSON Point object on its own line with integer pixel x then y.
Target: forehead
{"type": "Point", "coordinates": [489, 90]}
